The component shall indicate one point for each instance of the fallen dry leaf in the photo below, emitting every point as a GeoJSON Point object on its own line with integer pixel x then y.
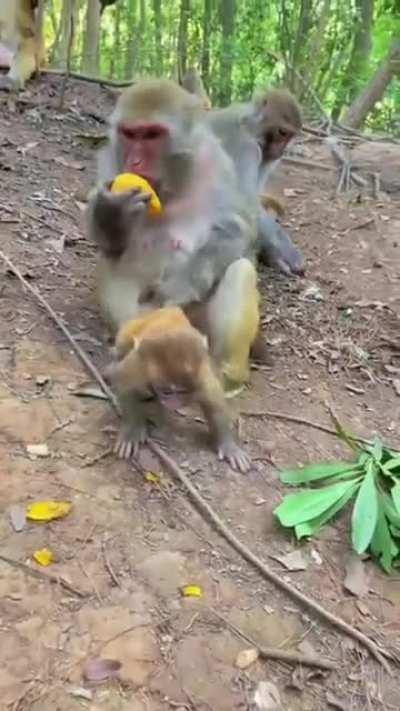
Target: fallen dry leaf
{"type": "Point", "coordinates": [18, 518]}
{"type": "Point", "coordinates": [90, 391]}
{"type": "Point", "coordinates": [69, 163]}
{"type": "Point", "coordinates": [79, 692]}
{"type": "Point", "coordinates": [47, 510]}
{"type": "Point", "coordinates": [44, 556]}
{"type": "Point", "coordinates": [246, 657]}
{"type": "Point", "coordinates": [335, 702]}
{"type": "Point", "coordinates": [293, 561]}
{"type": "Point", "coordinates": [266, 697]}
{"type": "Point", "coordinates": [396, 385]}
{"type": "Point", "coordinates": [37, 450]}
{"type": "Point", "coordinates": [356, 581]}
{"type": "Point", "coordinates": [98, 669]}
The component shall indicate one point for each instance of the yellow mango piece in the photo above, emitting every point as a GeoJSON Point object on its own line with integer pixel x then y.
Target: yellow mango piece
{"type": "Point", "coordinates": [152, 478]}
{"type": "Point", "coordinates": [47, 510]}
{"type": "Point", "coordinates": [44, 556]}
{"type": "Point", "coordinates": [192, 591]}
{"type": "Point", "coordinates": [129, 181]}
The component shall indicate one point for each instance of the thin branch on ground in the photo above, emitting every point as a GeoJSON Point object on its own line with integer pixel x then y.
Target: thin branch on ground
{"type": "Point", "coordinates": [108, 565]}
{"type": "Point", "coordinates": [87, 362]}
{"type": "Point", "coordinates": [377, 652]}
{"type": "Point", "coordinates": [299, 421]}
{"type": "Point", "coordinates": [280, 655]}
{"type": "Point", "coordinates": [307, 163]}
{"type": "Point", "coordinates": [91, 80]}
{"type": "Point", "coordinates": [48, 577]}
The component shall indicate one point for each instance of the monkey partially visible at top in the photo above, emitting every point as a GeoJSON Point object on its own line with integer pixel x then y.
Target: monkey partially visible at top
{"type": "Point", "coordinates": [159, 350]}
{"type": "Point", "coordinates": [199, 252]}
{"type": "Point", "coordinates": [193, 83]}
{"type": "Point", "coordinates": [20, 33]}
{"type": "Point", "coordinates": [256, 135]}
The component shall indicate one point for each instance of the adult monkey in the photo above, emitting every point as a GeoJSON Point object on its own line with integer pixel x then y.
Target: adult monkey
{"type": "Point", "coordinates": [194, 254]}
{"type": "Point", "coordinates": [21, 34]}
{"type": "Point", "coordinates": [256, 135]}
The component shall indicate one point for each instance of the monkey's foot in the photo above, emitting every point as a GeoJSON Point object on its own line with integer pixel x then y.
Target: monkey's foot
{"type": "Point", "coordinates": [8, 84]}
{"type": "Point", "coordinates": [129, 442]}
{"type": "Point", "coordinates": [235, 456]}
{"type": "Point", "coordinates": [232, 388]}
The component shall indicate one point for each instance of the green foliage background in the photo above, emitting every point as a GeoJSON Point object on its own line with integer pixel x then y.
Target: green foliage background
{"type": "Point", "coordinates": [311, 46]}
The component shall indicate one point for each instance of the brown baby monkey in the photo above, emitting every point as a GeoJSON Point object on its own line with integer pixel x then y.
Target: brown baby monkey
{"type": "Point", "coordinates": [157, 351]}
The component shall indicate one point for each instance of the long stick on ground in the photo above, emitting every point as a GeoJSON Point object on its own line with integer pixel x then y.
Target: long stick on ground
{"type": "Point", "coordinates": [377, 652]}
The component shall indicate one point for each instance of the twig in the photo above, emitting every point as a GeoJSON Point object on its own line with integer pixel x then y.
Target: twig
{"type": "Point", "coordinates": [87, 362]}
{"type": "Point", "coordinates": [56, 580]}
{"type": "Point", "coordinates": [281, 655]}
{"type": "Point", "coordinates": [307, 163]}
{"type": "Point", "coordinates": [377, 652]}
{"type": "Point", "coordinates": [90, 79]}
{"type": "Point", "coordinates": [108, 565]}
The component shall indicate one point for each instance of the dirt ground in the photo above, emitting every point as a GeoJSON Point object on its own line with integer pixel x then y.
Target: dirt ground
{"type": "Point", "coordinates": [130, 544]}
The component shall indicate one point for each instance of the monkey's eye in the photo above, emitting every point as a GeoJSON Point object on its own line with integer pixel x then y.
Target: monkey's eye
{"type": "Point", "coordinates": [282, 133]}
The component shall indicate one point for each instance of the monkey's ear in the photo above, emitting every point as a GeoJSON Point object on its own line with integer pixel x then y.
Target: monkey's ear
{"type": "Point", "coordinates": [205, 340]}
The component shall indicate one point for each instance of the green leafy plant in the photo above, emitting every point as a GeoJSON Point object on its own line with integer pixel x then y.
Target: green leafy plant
{"type": "Point", "coordinates": [372, 480]}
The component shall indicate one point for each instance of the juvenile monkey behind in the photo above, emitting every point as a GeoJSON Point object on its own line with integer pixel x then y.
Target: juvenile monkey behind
{"type": "Point", "coordinates": [159, 350]}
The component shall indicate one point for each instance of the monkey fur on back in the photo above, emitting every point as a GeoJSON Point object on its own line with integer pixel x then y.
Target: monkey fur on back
{"type": "Point", "coordinates": [161, 350]}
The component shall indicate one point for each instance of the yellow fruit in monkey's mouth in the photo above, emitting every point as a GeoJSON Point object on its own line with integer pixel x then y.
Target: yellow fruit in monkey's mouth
{"type": "Point", "coordinates": [129, 181]}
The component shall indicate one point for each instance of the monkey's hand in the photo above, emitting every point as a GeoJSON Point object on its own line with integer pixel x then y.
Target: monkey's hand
{"type": "Point", "coordinates": [275, 247]}
{"type": "Point", "coordinates": [114, 216]}
{"type": "Point", "coordinates": [234, 455]}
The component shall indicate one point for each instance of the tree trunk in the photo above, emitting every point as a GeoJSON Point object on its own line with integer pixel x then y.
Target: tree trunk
{"type": "Point", "coordinates": [183, 38]}
{"type": "Point", "coordinates": [60, 49]}
{"type": "Point", "coordinates": [356, 72]}
{"type": "Point", "coordinates": [158, 36]}
{"type": "Point", "coordinates": [228, 9]}
{"type": "Point", "coordinates": [91, 39]}
{"type": "Point", "coordinates": [115, 59]}
{"type": "Point", "coordinates": [300, 45]}
{"type": "Point", "coordinates": [132, 48]}
{"type": "Point", "coordinates": [373, 92]}
{"type": "Point", "coordinates": [205, 52]}
{"type": "Point", "coordinates": [362, 45]}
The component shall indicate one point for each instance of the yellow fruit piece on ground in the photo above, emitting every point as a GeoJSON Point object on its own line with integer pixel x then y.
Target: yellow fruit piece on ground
{"type": "Point", "coordinates": [47, 510]}
{"type": "Point", "coordinates": [130, 181]}
{"type": "Point", "coordinates": [44, 556]}
{"type": "Point", "coordinates": [192, 591]}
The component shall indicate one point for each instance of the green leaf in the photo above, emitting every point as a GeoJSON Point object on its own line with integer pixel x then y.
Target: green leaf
{"type": "Point", "coordinates": [310, 528]}
{"type": "Point", "coordinates": [365, 512]}
{"type": "Point", "coordinates": [381, 543]}
{"type": "Point", "coordinates": [392, 463]}
{"type": "Point", "coordinates": [395, 493]}
{"type": "Point", "coordinates": [313, 472]}
{"type": "Point", "coordinates": [363, 458]}
{"type": "Point", "coordinates": [297, 508]}
{"type": "Point", "coordinates": [394, 531]}
{"type": "Point", "coordinates": [390, 512]}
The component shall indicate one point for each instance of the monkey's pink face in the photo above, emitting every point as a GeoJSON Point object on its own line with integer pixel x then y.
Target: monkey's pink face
{"type": "Point", "coordinates": [143, 144]}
